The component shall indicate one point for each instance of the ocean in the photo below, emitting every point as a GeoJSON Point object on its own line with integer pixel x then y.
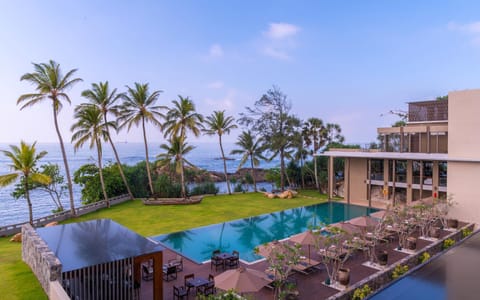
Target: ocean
{"type": "Point", "coordinates": [205, 156]}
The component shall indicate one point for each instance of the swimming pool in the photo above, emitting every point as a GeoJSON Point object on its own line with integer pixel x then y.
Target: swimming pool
{"type": "Point", "coordinates": [245, 234]}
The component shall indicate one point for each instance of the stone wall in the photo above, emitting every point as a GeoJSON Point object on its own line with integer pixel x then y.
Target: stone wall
{"type": "Point", "coordinates": [43, 262]}
{"type": "Point", "coordinates": [380, 279]}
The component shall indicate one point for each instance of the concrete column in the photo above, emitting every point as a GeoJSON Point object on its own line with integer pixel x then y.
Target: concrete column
{"type": "Point", "coordinates": [385, 178]}
{"type": "Point", "coordinates": [409, 181]}
{"type": "Point", "coordinates": [346, 187]}
{"type": "Point", "coordinates": [331, 177]}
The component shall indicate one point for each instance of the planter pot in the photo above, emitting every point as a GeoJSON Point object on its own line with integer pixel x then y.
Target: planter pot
{"type": "Point", "coordinates": [383, 258]}
{"type": "Point", "coordinates": [411, 243]}
{"type": "Point", "coordinates": [452, 223]}
{"type": "Point", "coordinates": [343, 276]}
{"type": "Point", "coordinates": [434, 232]}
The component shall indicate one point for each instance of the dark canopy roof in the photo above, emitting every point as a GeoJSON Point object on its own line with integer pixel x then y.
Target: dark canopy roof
{"type": "Point", "coordinates": [90, 243]}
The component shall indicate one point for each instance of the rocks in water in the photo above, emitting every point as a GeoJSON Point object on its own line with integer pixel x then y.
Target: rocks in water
{"type": "Point", "coordinates": [288, 194]}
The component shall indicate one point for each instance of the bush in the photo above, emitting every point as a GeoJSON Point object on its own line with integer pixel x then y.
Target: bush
{"type": "Point", "coordinates": [239, 188]}
{"type": "Point", "coordinates": [424, 257]}
{"type": "Point", "coordinates": [362, 293]}
{"type": "Point", "coordinates": [399, 271]}
{"type": "Point", "coordinates": [448, 243]}
{"type": "Point", "coordinates": [165, 188]}
{"type": "Point", "coordinates": [466, 232]}
{"type": "Point", "coordinates": [204, 188]}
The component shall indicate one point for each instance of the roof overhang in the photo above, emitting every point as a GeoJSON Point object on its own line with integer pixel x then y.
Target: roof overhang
{"type": "Point", "coordinates": [398, 156]}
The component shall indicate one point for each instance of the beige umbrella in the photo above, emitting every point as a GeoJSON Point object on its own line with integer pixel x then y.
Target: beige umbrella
{"type": "Point", "coordinates": [364, 222]}
{"type": "Point", "coordinates": [378, 214]}
{"type": "Point", "coordinates": [266, 249]}
{"type": "Point", "coordinates": [242, 280]}
{"type": "Point", "coordinates": [305, 238]}
{"type": "Point", "coordinates": [347, 227]}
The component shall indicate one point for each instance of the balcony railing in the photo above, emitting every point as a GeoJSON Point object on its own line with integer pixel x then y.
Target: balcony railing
{"type": "Point", "coordinates": [428, 111]}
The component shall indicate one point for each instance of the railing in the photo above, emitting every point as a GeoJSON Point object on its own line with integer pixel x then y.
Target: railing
{"type": "Point", "coordinates": [64, 215]}
{"type": "Point", "coordinates": [428, 111]}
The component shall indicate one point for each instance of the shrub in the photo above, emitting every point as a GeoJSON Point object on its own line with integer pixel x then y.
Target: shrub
{"type": "Point", "coordinates": [204, 188]}
{"type": "Point", "coordinates": [424, 257]}
{"type": "Point", "coordinates": [362, 293]}
{"type": "Point", "coordinates": [466, 232]}
{"type": "Point", "coordinates": [399, 271]}
{"type": "Point", "coordinates": [239, 188]}
{"type": "Point", "coordinates": [448, 243]}
{"type": "Point", "coordinates": [166, 188]}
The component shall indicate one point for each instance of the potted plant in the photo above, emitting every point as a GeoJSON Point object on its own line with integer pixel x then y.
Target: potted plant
{"type": "Point", "coordinates": [411, 243]}
{"type": "Point", "coordinates": [343, 276]}
{"type": "Point", "coordinates": [382, 257]}
{"type": "Point", "coordinates": [434, 232]}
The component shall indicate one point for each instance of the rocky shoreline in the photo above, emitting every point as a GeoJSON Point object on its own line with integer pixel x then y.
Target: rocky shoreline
{"type": "Point", "coordinates": [214, 176]}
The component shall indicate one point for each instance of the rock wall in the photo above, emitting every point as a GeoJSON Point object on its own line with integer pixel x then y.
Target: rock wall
{"type": "Point", "coordinates": [43, 262]}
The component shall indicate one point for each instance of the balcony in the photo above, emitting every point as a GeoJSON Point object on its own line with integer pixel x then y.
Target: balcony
{"type": "Point", "coordinates": [428, 111]}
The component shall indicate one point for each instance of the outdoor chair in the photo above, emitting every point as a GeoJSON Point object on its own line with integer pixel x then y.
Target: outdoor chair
{"type": "Point", "coordinates": [180, 292]}
{"type": "Point", "coordinates": [186, 278]}
{"type": "Point", "coordinates": [170, 273]}
{"type": "Point", "coordinates": [209, 289]}
{"type": "Point", "coordinates": [178, 262]}
{"type": "Point", "coordinates": [234, 261]}
{"type": "Point", "coordinates": [216, 262]}
{"type": "Point", "coordinates": [147, 273]}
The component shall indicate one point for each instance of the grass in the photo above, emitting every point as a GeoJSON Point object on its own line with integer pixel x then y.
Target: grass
{"type": "Point", "coordinates": [20, 282]}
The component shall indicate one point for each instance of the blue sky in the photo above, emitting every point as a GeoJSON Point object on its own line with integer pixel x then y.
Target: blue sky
{"type": "Point", "coordinates": [347, 62]}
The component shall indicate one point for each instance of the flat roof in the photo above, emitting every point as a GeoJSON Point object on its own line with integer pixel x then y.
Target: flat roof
{"type": "Point", "coordinates": [398, 155]}
{"type": "Point", "coordinates": [85, 244]}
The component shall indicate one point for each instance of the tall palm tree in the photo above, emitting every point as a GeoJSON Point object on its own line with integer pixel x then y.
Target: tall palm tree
{"type": "Point", "coordinates": [218, 123]}
{"type": "Point", "coordinates": [314, 135]}
{"type": "Point", "coordinates": [50, 83]}
{"type": "Point", "coordinates": [251, 150]}
{"type": "Point", "coordinates": [139, 108]}
{"type": "Point", "coordinates": [24, 161]}
{"type": "Point", "coordinates": [91, 128]}
{"type": "Point", "coordinates": [100, 96]}
{"type": "Point", "coordinates": [174, 155]}
{"type": "Point", "coordinates": [181, 118]}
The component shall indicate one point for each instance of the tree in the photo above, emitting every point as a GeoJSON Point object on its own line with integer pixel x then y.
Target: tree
{"type": "Point", "coordinates": [270, 117]}
{"type": "Point", "coordinates": [50, 83]}
{"type": "Point", "coordinates": [181, 118]}
{"type": "Point", "coordinates": [55, 189]}
{"type": "Point", "coordinates": [24, 161]}
{"type": "Point", "coordinates": [251, 150]}
{"type": "Point", "coordinates": [90, 127]}
{"type": "Point", "coordinates": [174, 155]}
{"type": "Point", "coordinates": [139, 108]}
{"type": "Point", "coordinates": [101, 97]}
{"type": "Point", "coordinates": [218, 123]}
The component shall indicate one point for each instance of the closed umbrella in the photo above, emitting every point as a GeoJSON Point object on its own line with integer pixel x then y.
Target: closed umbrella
{"type": "Point", "coordinates": [242, 280]}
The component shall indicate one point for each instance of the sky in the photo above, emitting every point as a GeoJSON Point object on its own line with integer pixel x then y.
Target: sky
{"type": "Point", "coordinates": [347, 62]}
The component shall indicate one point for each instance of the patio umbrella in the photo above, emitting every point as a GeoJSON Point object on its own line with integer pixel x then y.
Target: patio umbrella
{"type": "Point", "coordinates": [304, 238]}
{"type": "Point", "coordinates": [242, 280]}
{"type": "Point", "coordinates": [347, 227]}
{"type": "Point", "coordinates": [364, 222]}
{"type": "Point", "coordinates": [378, 214]}
{"type": "Point", "coordinates": [266, 249]}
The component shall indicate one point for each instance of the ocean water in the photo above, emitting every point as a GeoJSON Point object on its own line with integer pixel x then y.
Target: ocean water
{"type": "Point", "coordinates": [205, 155]}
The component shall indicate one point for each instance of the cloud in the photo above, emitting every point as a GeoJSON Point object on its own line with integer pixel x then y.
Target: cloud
{"type": "Point", "coordinates": [279, 40]}
{"type": "Point", "coordinates": [279, 31]}
{"type": "Point", "coordinates": [471, 29]}
{"type": "Point", "coordinates": [224, 103]}
{"type": "Point", "coordinates": [215, 85]}
{"type": "Point", "coordinates": [215, 51]}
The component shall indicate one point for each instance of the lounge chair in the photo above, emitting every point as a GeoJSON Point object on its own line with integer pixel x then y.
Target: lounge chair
{"type": "Point", "coordinates": [178, 262]}
{"type": "Point", "coordinates": [180, 292]}
{"type": "Point", "coordinates": [170, 273]}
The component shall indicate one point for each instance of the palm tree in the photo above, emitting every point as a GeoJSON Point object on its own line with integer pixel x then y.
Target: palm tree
{"type": "Point", "coordinates": [180, 119]}
{"type": "Point", "coordinates": [100, 96]}
{"type": "Point", "coordinates": [218, 123]}
{"type": "Point", "coordinates": [51, 84]}
{"type": "Point", "coordinates": [90, 127]}
{"type": "Point", "coordinates": [175, 155]}
{"type": "Point", "coordinates": [314, 135]}
{"type": "Point", "coordinates": [139, 107]}
{"type": "Point", "coordinates": [24, 160]}
{"type": "Point", "coordinates": [251, 150]}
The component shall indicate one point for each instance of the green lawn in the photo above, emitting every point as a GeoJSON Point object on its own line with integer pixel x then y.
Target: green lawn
{"type": "Point", "coordinates": [18, 282]}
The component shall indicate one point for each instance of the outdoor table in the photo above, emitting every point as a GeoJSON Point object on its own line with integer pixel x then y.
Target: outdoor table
{"type": "Point", "coordinates": [224, 257]}
{"type": "Point", "coordinates": [197, 282]}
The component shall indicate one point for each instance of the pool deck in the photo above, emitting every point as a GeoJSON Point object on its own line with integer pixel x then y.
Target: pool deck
{"type": "Point", "coordinates": [309, 286]}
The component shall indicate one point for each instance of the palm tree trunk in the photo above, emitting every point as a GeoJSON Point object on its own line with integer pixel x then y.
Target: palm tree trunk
{"type": "Point", "coordinates": [120, 168]}
{"type": "Point", "coordinates": [27, 195]}
{"type": "Point", "coordinates": [182, 177]}
{"type": "Point", "coordinates": [100, 172]}
{"type": "Point", "coordinates": [224, 164]}
{"type": "Point", "coordinates": [302, 173]}
{"type": "Point", "coordinates": [282, 169]}
{"type": "Point", "coordinates": [65, 161]}
{"type": "Point", "coordinates": [146, 157]}
{"type": "Point", "coordinates": [253, 174]}
{"type": "Point", "coordinates": [317, 185]}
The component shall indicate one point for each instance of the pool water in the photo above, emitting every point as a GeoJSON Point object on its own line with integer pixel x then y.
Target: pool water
{"type": "Point", "coordinates": [245, 234]}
